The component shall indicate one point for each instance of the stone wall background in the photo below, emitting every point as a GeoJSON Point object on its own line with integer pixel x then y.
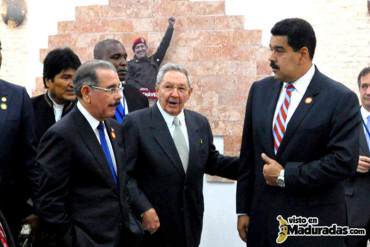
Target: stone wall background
{"type": "Point", "coordinates": [224, 52]}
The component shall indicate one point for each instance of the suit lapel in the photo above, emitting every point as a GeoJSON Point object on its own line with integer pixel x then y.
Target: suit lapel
{"type": "Point", "coordinates": [301, 112]}
{"type": "Point", "coordinates": [112, 136]}
{"type": "Point", "coordinates": [164, 139]}
{"type": "Point", "coordinates": [271, 97]}
{"type": "Point", "coordinates": [91, 142]}
{"type": "Point", "coordinates": [3, 113]}
{"type": "Point", "coordinates": [194, 140]}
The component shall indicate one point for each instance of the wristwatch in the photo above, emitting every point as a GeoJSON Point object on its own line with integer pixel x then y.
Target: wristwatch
{"type": "Point", "coordinates": [280, 179]}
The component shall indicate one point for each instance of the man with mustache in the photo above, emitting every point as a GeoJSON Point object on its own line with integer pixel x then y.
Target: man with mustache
{"type": "Point", "coordinates": [168, 150]}
{"type": "Point", "coordinates": [60, 66]}
{"type": "Point", "coordinates": [82, 189]}
{"type": "Point", "coordinates": [300, 141]}
{"type": "Point", "coordinates": [143, 69]}
{"type": "Point", "coordinates": [113, 51]}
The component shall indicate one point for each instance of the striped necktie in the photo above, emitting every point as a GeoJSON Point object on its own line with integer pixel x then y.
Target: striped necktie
{"type": "Point", "coordinates": [280, 121]}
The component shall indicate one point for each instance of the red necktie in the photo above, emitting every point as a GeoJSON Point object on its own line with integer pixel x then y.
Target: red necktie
{"type": "Point", "coordinates": [280, 121]}
{"type": "Point", "coordinates": [3, 236]}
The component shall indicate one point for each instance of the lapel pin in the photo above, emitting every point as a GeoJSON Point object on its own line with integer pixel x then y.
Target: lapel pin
{"type": "Point", "coordinates": [3, 99]}
{"type": "Point", "coordinates": [201, 141]}
{"type": "Point", "coordinates": [113, 133]}
{"type": "Point", "coordinates": [308, 100]}
{"type": "Point", "coordinates": [3, 106]}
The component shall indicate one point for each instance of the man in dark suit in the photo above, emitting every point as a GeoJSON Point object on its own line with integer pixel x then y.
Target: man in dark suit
{"type": "Point", "coordinates": [168, 151]}
{"type": "Point", "coordinates": [17, 153]}
{"type": "Point", "coordinates": [357, 187]}
{"type": "Point", "coordinates": [299, 142]}
{"type": "Point", "coordinates": [60, 66]}
{"type": "Point", "coordinates": [113, 51]}
{"type": "Point", "coordinates": [82, 194]}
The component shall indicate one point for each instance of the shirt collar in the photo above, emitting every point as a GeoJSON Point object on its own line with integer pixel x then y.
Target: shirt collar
{"type": "Point", "coordinates": [169, 118]}
{"type": "Point", "coordinates": [93, 122]}
{"type": "Point", "coordinates": [301, 84]}
{"type": "Point", "coordinates": [365, 114]}
{"type": "Point", "coordinates": [55, 104]}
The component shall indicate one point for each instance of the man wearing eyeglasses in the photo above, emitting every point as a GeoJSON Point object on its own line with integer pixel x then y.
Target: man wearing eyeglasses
{"type": "Point", "coordinates": [168, 151]}
{"type": "Point", "coordinates": [82, 192]}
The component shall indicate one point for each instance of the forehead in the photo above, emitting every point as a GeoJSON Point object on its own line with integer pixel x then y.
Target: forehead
{"type": "Point", "coordinates": [365, 79]}
{"type": "Point", "coordinates": [279, 41]}
{"type": "Point", "coordinates": [107, 77]}
{"type": "Point", "coordinates": [68, 71]}
{"type": "Point", "coordinates": [174, 77]}
{"type": "Point", "coordinates": [114, 48]}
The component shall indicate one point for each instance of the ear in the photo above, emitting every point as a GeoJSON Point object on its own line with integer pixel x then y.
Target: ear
{"type": "Point", "coordinates": [86, 93]}
{"type": "Point", "coordinates": [48, 82]}
{"type": "Point", "coordinates": [305, 54]}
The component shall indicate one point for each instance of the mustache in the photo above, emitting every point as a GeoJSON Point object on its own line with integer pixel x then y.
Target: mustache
{"type": "Point", "coordinates": [274, 65]}
{"type": "Point", "coordinates": [115, 104]}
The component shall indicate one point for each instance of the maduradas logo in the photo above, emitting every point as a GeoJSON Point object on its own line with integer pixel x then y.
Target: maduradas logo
{"type": "Point", "coordinates": [299, 226]}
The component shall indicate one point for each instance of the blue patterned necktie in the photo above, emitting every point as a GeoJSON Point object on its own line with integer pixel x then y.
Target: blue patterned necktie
{"type": "Point", "coordinates": [108, 157]}
{"type": "Point", "coordinates": [120, 112]}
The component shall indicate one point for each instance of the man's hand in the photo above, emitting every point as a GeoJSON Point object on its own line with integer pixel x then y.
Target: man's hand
{"type": "Point", "coordinates": [271, 170]}
{"type": "Point", "coordinates": [34, 222]}
{"type": "Point", "coordinates": [150, 220]}
{"type": "Point", "coordinates": [243, 224]}
{"type": "Point", "coordinates": [171, 21]}
{"type": "Point", "coordinates": [363, 164]}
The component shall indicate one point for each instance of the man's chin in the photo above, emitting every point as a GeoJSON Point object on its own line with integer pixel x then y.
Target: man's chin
{"type": "Point", "coordinates": [69, 97]}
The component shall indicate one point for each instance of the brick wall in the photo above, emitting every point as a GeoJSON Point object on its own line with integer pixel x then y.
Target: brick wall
{"type": "Point", "coordinates": [223, 58]}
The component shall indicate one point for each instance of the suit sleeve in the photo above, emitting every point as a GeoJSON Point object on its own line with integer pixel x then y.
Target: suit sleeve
{"type": "Point", "coordinates": [54, 159]}
{"type": "Point", "coordinates": [165, 43]}
{"type": "Point", "coordinates": [220, 165]}
{"type": "Point", "coordinates": [341, 158]}
{"type": "Point", "coordinates": [137, 198]}
{"type": "Point", "coordinates": [244, 193]}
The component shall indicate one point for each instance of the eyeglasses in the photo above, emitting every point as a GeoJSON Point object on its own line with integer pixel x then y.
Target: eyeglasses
{"type": "Point", "coordinates": [111, 90]}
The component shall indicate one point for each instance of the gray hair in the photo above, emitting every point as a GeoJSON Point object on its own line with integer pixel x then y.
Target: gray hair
{"type": "Point", "coordinates": [86, 74]}
{"type": "Point", "coordinates": [172, 67]}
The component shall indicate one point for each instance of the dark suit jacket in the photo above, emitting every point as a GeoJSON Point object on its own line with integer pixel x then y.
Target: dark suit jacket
{"type": "Point", "coordinates": [357, 190]}
{"type": "Point", "coordinates": [318, 151]}
{"type": "Point", "coordinates": [78, 198]}
{"type": "Point", "coordinates": [134, 98]}
{"type": "Point", "coordinates": [161, 181]}
{"type": "Point", "coordinates": [9, 237]}
{"type": "Point", "coordinates": [44, 113]}
{"type": "Point", "coordinates": [17, 153]}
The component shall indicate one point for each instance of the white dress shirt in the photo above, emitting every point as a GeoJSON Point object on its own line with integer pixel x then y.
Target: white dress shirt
{"type": "Point", "coordinates": [93, 122]}
{"type": "Point", "coordinates": [169, 121]}
{"type": "Point", "coordinates": [123, 100]}
{"type": "Point", "coordinates": [58, 108]}
{"type": "Point", "coordinates": [300, 88]}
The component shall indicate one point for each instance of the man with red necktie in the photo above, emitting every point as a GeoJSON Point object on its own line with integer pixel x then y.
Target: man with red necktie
{"type": "Point", "coordinates": [299, 142]}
